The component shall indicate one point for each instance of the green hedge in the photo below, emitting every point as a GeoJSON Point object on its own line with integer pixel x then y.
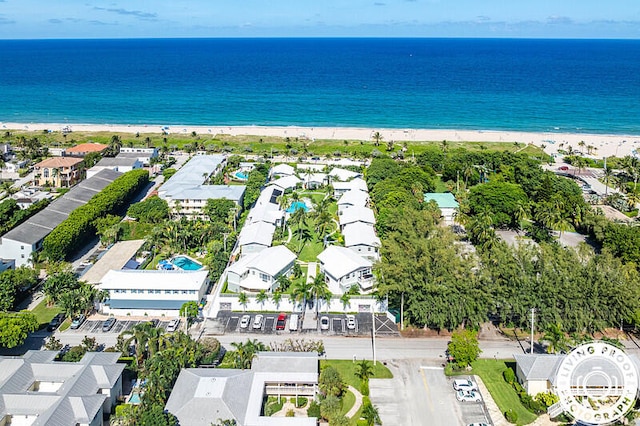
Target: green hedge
{"type": "Point", "coordinates": [68, 237]}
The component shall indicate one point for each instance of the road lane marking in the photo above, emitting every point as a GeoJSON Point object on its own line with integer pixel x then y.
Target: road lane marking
{"type": "Point", "coordinates": [424, 367]}
{"type": "Point", "coordinates": [426, 386]}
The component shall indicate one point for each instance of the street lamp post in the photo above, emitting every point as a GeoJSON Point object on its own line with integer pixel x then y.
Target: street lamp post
{"type": "Point", "coordinates": [373, 334]}
{"type": "Point", "coordinates": [533, 312]}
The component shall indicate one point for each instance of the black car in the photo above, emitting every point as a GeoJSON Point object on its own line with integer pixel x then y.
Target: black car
{"type": "Point", "coordinates": [55, 322]}
{"type": "Point", "coordinates": [108, 324]}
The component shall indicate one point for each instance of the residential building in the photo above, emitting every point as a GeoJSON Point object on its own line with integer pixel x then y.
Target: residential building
{"type": "Point", "coordinates": [83, 149]}
{"type": "Point", "coordinates": [187, 192]}
{"type": "Point", "coordinates": [260, 271]}
{"type": "Point", "coordinates": [135, 292]}
{"type": "Point", "coordinates": [314, 180]}
{"type": "Point", "coordinates": [256, 237]}
{"type": "Point", "coordinates": [281, 170]}
{"type": "Point", "coordinates": [340, 188]}
{"type": "Point", "coordinates": [203, 396]}
{"type": "Point", "coordinates": [144, 155]}
{"type": "Point", "coordinates": [36, 390]}
{"type": "Point", "coordinates": [119, 256]}
{"type": "Point", "coordinates": [362, 239]}
{"type": "Point", "coordinates": [446, 203]}
{"type": "Point", "coordinates": [537, 372]}
{"type": "Point", "coordinates": [28, 196]}
{"type": "Point", "coordinates": [117, 164]}
{"type": "Point", "coordinates": [356, 214]}
{"type": "Point", "coordinates": [343, 269]}
{"type": "Point", "coordinates": [5, 151]}
{"type": "Point", "coordinates": [59, 172]}
{"type": "Point", "coordinates": [343, 175]}
{"type": "Point", "coordinates": [352, 198]}
{"type": "Point", "coordinates": [27, 237]}
{"type": "Point", "coordinates": [267, 207]}
{"type": "Point", "coordinates": [286, 182]}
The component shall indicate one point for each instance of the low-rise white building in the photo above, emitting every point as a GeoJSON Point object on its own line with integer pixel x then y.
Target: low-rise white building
{"type": "Point", "coordinates": [117, 164]}
{"type": "Point", "coordinates": [362, 239]}
{"type": "Point", "coordinates": [340, 188]}
{"type": "Point", "coordinates": [256, 237]}
{"type": "Point", "coordinates": [281, 170]}
{"type": "Point", "coordinates": [352, 198]}
{"type": "Point", "coordinates": [287, 182]}
{"type": "Point", "coordinates": [144, 155]}
{"type": "Point", "coordinates": [343, 269]}
{"type": "Point", "coordinates": [314, 180]}
{"type": "Point", "coordinates": [343, 175]}
{"type": "Point", "coordinates": [267, 207]}
{"type": "Point", "coordinates": [356, 214]}
{"type": "Point", "coordinates": [260, 271]}
{"type": "Point", "coordinates": [156, 293]}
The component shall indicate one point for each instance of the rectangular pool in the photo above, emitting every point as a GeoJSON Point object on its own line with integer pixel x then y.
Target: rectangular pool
{"type": "Point", "coordinates": [186, 263]}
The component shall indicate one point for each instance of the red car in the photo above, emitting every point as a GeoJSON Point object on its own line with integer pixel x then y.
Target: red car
{"type": "Point", "coordinates": [563, 168]}
{"type": "Point", "coordinates": [282, 319]}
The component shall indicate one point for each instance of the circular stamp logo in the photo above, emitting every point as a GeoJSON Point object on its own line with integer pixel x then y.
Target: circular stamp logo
{"type": "Point", "coordinates": [597, 383]}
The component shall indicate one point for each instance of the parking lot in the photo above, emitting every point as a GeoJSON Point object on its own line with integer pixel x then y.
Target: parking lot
{"type": "Point", "coordinates": [472, 412]}
{"type": "Point", "coordinates": [337, 324]}
{"type": "Point", "coordinates": [95, 326]}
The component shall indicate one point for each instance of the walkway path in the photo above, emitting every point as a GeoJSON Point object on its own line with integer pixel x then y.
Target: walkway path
{"type": "Point", "coordinates": [311, 271]}
{"type": "Point", "coordinates": [357, 404]}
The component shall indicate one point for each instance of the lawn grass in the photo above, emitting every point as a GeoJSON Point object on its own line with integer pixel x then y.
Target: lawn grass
{"type": "Point", "coordinates": [44, 314]}
{"type": "Point", "coordinates": [347, 369]}
{"type": "Point", "coordinates": [154, 262]}
{"type": "Point", "coordinates": [348, 399]}
{"type": "Point", "coordinates": [491, 371]}
{"type": "Point", "coordinates": [310, 250]}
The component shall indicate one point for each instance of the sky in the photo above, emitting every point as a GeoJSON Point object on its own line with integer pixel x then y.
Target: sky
{"type": "Point", "coordinates": [37, 19]}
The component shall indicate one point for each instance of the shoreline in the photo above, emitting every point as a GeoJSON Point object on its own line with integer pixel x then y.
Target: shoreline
{"type": "Point", "coordinates": [604, 145]}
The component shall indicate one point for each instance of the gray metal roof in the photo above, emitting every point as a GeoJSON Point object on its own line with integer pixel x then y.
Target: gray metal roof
{"type": "Point", "coordinates": [121, 160]}
{"type": "Point", "coordinates": [538, 366]}
{"type": "Point", "coordinates": [38, 226]}
{"type": "Point", "coordinates": [76, 400]}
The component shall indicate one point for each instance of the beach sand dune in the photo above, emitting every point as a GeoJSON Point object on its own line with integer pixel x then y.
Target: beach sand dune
{"type": "Point", "coordinates": [605, 145]}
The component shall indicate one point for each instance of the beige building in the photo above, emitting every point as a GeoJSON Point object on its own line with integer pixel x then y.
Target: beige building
{"type": "Point", "coordinates": [58, 172]}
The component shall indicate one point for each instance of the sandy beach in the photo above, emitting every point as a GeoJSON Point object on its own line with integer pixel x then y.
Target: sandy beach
{"type": "Point", "coordinates": [605, 145]}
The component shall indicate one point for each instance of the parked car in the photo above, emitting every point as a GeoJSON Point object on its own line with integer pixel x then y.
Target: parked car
{"type": "Point", "coordinates": [324, 323]}
{"type": "Point", "coordinates": [244, 321]}
{"type": "Point", "coordinates": [563, 168]}
{"type": "Point", "coordinates": [55, 322]}
{"type": "Point", "coordinates": [293, 322]}
{"type": "Point", "coordinates": [77, 321]}
{"type": "Point", "coordinates": [257, 321]}
{"type": "Point", "coordinates": [154, 322]}
{"type": "Point", "coordinates": [108, 324]}
{"type": "Point", "coordinates": [281, 321]}
{"type": "Point", "coordinates": [465, 385]}
{"type": "Point", "coordinates": [351, 322]}
{"type": "Point", "coordinates": [468, 396]}
{"type": "Point", "coordinates": [477, 424]}
{"type": "Point", "coordinates": [173, 325]}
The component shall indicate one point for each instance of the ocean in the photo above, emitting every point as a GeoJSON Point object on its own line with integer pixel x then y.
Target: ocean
{"type": "Point", "coordinates": [584, 86]}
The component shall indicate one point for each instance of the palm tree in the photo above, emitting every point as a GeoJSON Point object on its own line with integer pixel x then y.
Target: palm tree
{"type": "Point", "coordinates": [364, 370]}
{"type": "Point", "coordinates": [556, 338]}
{"type": "Point", "coordinates": [283, 283]}
{"type": "Point", "coordinates": [371, 415]}
{"type": "Point", "coordinates": [243, 299]}
{"type": "Point", "coordinates": [140, 334]}
{"type": "Point", "coordinates": [319, 288]}
{"type": "Point", "coordinates": [262, 297]}
{"type": "Point", "coordinates": [445, 146]}
{"type": "Point", "coordinates": [276, 297]}
{"type": "Point", "coordinates": [377, 138]}
{"type": "Point", "coordinates": [301, 292]}
{"type": "Point", "coordinates": [346, 300]}
{"type": "Point", "coordinates": [304, 235]}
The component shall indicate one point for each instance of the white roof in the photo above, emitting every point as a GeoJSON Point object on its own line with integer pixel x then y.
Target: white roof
{"type": "Point", "coordinates": [343, 174]}
{"type": "Point", "coordinates": [360, 234]}
{"type": "Point", "coordinates": [340, 261]}
{"type": "Point", "coordinates": [314, 177]}
{"type": "Point", "coordinates": [354, 197]}
{"type": "Point", "coordinates": [357, 183]}
{"type": "Point", "coordinates": [271, 261]}
{"type": "Point", "coordinates": [315, 167]}
{"type": "Point", "coordinates": [283, 169]}
{"type": "Point", "coordinates": [347, 162]}
{"type": "Point", "coordinates": [266, 208]}
{"type": "Point", "coordinates": [257, 233]}
{"type": "Point", "coordinates": [357, 214]}
{"type": "Point", "coordinates": [286, 182]}
{"type": "Point", "coordinates": [154, 280]}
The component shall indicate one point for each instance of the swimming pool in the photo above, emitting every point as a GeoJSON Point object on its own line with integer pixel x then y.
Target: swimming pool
{"type": "Point", "coordinates": [241, 175]}
{"type": "Point", "coordinates": [134, 398]}
{"type": "Point", "coordinates": [297, 205]}
{"type": "Point", "coordinates": [186, 263]}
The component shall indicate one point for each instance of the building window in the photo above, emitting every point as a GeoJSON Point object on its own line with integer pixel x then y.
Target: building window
{"type": "Point", "coordinates": [185, 292]}
{"type": "Point", "coordinates": [167, 292]}
{"type": "Point", "coordinates": [46, 173]}
{"type": "Point", "coordinates": [192, 292]}
{"type": "Point", "coordinates": [157, 291]}
{"type": "Point", "coordinates": [21, 247]}
{"type": "Point", "coordinates": [176, 291]}
{"type": "Point", "coordinates": [264, 277]}
{"type": "Point", "coordinates": [149, 291]}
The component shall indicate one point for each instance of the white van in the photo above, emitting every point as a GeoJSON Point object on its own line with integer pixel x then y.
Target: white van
{"type": "Point", "coordinates": [293, 322]}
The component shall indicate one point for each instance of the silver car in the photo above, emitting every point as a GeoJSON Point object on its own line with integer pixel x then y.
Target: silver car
{"type": "Point", "coordinates": [257, 321]}
{"type": "Point", "coordinates": [351, 322]}
{"type": "Point", "coordinates": [244, 321]}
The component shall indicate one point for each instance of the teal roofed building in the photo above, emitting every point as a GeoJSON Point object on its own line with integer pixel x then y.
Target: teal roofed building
{"type": "Point", "coordinates": [446, 203]}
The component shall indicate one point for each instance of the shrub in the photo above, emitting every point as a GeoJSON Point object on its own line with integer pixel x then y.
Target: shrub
{"type": "Point", "coordinates": [290, 413]}
{"type": "Point", "coordinates": [301, 402]}
{"type": "Point", "coordinates": [547, 398]}
{"type": "Point", "coordinates": [511, 416]}
{"type": "Point", "coordinates": [364, 387]}
{"type": "Point", "coordinates": [313, 410]}
{"type": "Point", "coordinates": [509, 376]}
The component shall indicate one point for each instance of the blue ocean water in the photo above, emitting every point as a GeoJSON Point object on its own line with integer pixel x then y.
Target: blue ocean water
{"type": "Point", "coordinates": [590, 86]}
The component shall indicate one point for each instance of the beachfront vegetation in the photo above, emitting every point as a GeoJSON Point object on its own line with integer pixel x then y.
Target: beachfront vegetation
{"type": "Point", "coordinates": [444, 284]}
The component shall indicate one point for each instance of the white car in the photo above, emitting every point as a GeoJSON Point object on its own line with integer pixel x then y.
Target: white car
{"type": "Point", "coordinates": [173, 325]}
{"type": "Point", "coordinates": [244, 321]}
{"type": "Point", "coordinates": [257, 321]}
{"type": "Point", "coordinates": [468, 396]}
{"type": "Point", "coordinates": [465, 385]}
{"type": "Point", "coordinates": [351, 322]}
{"type": "Point", "coordinates": [324, 323]}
